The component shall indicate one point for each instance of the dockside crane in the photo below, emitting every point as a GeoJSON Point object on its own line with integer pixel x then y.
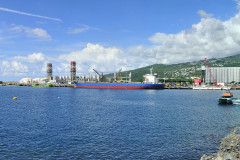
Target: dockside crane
{"type": "Point", "coordinates": [210, 72]}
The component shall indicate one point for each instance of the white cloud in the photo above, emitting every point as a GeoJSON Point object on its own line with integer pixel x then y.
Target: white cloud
{"type": "Point", "coordinates": [33, 65]}
{"type": "Point", "coordinates": [96, 56]}
{"type": "Point", "coordinates": [103, 59]}
{"type": "Point", "coordinates": [13, 68]}
{"type": "Point", "coordinates": [78, 30]}
{"type": "Point", "coordinates": [81, 29]}
{"type": "Point", "coordinates": [31, 32]}
{"type": "Point", "coordinates": [204, 14]}
{"type": "Point", "coordinates": [93, 56]}
{"type": "Point", "coordinates": [37, 33]}
{"type": "Point", "coordinates": [29, 14]}
{"type": "Point", "coordinates": [238, 3]}
{"type": "Point", "coordinates": [209, 38]}
{"type": "Point", "coordinates": [32, 58]}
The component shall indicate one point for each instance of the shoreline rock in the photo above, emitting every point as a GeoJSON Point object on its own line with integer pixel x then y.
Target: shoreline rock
{"type": "Point", "coordinates": [229, 148]}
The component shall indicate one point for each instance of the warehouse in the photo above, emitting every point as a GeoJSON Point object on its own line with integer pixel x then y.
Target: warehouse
{"type": "Point", "coordinates": [221, 74]}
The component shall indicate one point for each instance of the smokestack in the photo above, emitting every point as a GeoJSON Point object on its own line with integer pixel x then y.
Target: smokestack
{"type": "Point", "coordinates": [49, 71]}
{"type": "Point", "coordinates": [73, 70]}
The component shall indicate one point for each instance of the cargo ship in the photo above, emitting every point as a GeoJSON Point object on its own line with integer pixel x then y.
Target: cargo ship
{"type": "Point", "coordinates": [150, 82]}
{"type": "Point", "coordinates": [119, 85]}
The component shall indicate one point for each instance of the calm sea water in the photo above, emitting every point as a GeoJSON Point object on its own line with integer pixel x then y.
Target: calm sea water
{"type": "Point", "coordinates": [112, 124]}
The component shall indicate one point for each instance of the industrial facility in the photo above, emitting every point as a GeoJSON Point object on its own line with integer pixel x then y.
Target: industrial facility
{"type": "Point", "coordinates": [209, 75]}
{"type": "Point", "coordinates": [53, 79]}
{"type": "Point", "coordinates": [95, 77]}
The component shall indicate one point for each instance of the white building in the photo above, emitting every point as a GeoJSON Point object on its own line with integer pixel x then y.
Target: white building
{"type": "Point", "coordinates": [26, 80]}
{"type": "Point", "coordinates": [40, 80]}
{"type": "Point", "coordinates": [60, 79]}
{"type": "Point", "coordinates": [222, 74]}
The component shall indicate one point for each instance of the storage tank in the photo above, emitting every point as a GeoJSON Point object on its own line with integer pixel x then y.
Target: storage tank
{"type": "Point", "coordinates": [26, 80]}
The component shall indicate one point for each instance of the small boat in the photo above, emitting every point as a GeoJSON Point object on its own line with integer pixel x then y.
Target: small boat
{"type": "Point", "coordinates": [236, 101]}
{"type": "Point", "coordinates": [226, 98]}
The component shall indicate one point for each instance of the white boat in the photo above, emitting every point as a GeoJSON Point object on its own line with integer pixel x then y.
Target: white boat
{"type": "Point", "coordinates": [205, 87]}
{"type": "Point", "coordinates": [236, 101]}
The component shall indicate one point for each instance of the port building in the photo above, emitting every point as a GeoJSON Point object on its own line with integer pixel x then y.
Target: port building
{"type": "Point", "coordinates": [221, 74]}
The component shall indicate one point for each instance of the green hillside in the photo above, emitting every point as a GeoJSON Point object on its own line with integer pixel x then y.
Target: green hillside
{"type": "Point", "coordinates": [184, 70]}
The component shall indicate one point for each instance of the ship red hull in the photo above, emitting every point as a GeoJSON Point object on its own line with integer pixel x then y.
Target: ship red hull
{"type": "Point", "coordinates": [119, 87]}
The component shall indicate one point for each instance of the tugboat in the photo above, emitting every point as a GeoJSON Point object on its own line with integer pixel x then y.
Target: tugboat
{"type": "Point", "coordinates": [226, 98]}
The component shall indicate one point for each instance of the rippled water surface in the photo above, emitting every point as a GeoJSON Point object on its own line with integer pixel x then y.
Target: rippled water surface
{"type": "Point", "coordinates": [112, 124]}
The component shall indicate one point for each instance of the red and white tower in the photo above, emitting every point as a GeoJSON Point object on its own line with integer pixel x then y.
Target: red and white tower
{"type": "Point", "coordinates": [49, 71]}
{"type": "Point", "coordinates": [73, 70]}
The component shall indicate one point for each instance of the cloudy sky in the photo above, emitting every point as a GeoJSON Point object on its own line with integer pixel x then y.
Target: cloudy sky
{"type": "Point", "coordinates": [108, 35]}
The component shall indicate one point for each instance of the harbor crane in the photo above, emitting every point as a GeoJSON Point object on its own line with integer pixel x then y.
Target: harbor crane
{"type": "Point", "coordinates": [210, 72]}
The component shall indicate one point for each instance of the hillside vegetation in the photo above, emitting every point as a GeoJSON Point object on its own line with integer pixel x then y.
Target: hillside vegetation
{"type": "Point", "coordinates": [184, 71]}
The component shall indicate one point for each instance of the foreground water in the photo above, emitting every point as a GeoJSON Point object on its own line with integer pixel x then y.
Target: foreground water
{"type": "Point", "coordinates": [68, 123]}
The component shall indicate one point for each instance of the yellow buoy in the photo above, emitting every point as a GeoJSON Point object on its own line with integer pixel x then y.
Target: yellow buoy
{"type": "Point", "coordinates": [14, 98]}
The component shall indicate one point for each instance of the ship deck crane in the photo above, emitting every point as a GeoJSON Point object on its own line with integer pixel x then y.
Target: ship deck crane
{"type": "Point", "coordinates": [119, 72]}
{"type": "Point", "coordinates": [100, 75]}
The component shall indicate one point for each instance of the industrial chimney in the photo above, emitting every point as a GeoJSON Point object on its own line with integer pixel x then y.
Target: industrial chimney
{"type": "Point", "coordinates": [49, 71]}
{"type": "Point", "coordinates": [73, 70]}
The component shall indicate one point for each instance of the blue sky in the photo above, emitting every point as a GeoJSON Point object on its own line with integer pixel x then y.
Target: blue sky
{"type": "Point", "coordinates": [108, 35]}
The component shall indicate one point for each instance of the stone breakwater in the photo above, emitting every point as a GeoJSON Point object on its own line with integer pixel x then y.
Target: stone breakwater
{"type": "Point", "coordinates": [229, 148]}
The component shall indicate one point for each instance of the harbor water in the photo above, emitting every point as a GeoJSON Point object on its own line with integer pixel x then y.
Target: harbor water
{"type": "Point", "coordinates": [69, 123]}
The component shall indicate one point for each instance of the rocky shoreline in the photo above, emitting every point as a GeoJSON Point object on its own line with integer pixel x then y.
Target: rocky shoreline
{"type": "Point", "coordinates": [229, 148]}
